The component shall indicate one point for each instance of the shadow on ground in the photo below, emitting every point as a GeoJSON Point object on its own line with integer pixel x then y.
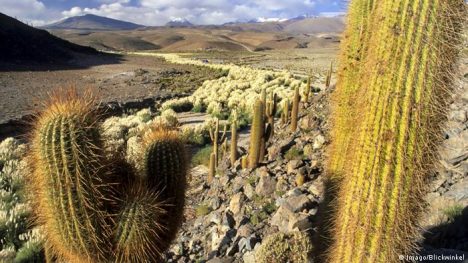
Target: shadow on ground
{"type": "Point", "coordinates": [79, 61]}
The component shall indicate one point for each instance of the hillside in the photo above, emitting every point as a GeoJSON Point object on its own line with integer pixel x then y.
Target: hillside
{"type": "Point", "coordinates": [20, 42]}
{"type": "Point", "coordinates": [93, 22]}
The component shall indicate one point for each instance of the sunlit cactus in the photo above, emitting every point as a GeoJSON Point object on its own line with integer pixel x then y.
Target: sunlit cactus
{"type": "Point", "coordinates": [307, 90]}
{"type": "Point", "coordinates": [256, 134]}
{"type": "Point", "coordinates": [211, 167]}
{"type": "Point", "coordinates": [396, 75]}
{"type": "Point", "coordinates": [295, 110]}
{"type": "Point", "coordinates": [214, 135]}
{"type": "Point", "coordinates": [97, 210]}
{"type": "Point", "coordinates": [69, 180]}
{"type": "Point", "coordinates": [234, 137]}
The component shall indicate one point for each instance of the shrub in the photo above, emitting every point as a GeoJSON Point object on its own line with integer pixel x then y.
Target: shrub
{"type": "Point", "coordinates": [202, 157]}
{"type": "Point", "coordinates": [282, 248]}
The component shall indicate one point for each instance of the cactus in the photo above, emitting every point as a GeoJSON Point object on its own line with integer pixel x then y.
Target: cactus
{"type": "Point", "coordinates": [270, 114]}
{"type": "Point", "coordinates": [233, 155]}
{"type": "Point", "coordinates": [212, 167]}
{"type": "Point", "coordinates": [97, 210]}
{"type": "Point", "coordinates": [295, 110]}
{"type": "Point", "coordinates": [256, 134]}
{"type": "Point", "coordinates": [285, 112]}
{"type": "Point", "coordinates": [245, 162]}
{"type": "Point", "coordinates": [70, 181]}
{"type": "Point", "coordinates": [307, 90]}
{"type": "Point", "coordinates": [386, 115]}
{"type": "Point", "coordinates": [214, 135]}
{"type": "Point", "coordinates": [329, 75]}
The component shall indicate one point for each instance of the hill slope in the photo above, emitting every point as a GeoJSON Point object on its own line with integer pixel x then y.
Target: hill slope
{"type": "Point", "coordinates": [20, 42]}
{"type": "Point", "coordinates": [93, 22]}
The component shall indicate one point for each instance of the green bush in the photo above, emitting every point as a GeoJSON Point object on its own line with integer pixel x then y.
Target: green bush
{"type": "Point", "coordinates": [202, 157]}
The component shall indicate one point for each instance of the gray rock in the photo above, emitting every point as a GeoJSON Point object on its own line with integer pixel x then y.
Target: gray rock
{"type": "Point", "coordinates": [221, 260]}
{"type": "Point", "coordinates": [236, 204]}
{"type": "Point", "coordinates": [266, 186]}
{"type": "Point", "coordinates": [249, 191]}
{"type": "Point", "coordinates": [292, 166]}
{"type": "Point", "coordinates": [228, 220]}
{"type": "Point", "coordinates": [299, 203]}
{"type": "Point", "coordinates": [245, 230]}
{"type": "Point", "coordinates": [318, 142]}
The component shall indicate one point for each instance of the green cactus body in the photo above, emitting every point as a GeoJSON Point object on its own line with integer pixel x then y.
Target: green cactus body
{"type": "Point", "coordinates": [233, 155]}
{"type": "Point", "coordinates": [165, 174]}
{"type": "Point", "coordinates": [212, 168]}
{"type": "Point", "coordinates": [256, 134]}
{"type": "Point", "coordinates": [69, 180]}
{"type": "Point", "coordinates": [137, 236]}
{"type": "Point", "coordinates": [295, 110]}
{"type": "Point", "coordinates": [96, 210]}
{"type": "Point", "coordinates": [404, 85]}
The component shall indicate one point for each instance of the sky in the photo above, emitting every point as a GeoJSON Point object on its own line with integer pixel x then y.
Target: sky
{"type": "Point", "coordinates": [158, 12]}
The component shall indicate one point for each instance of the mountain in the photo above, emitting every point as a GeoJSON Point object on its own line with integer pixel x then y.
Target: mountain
{"type": "Point", "coordinates": [93, 22]}
{"type": "Point", "coordinates": [179, 22]}
{"type": "Point", "coordinates": [315, 25]}
{"type": "Point", "coordinates": [20, 42]}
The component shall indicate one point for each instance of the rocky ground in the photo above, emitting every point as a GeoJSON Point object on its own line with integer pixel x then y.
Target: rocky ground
{"type": "Point", "coordinates": [233, 218]}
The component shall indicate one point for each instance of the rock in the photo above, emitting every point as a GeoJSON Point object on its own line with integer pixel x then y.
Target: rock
{"type": "Point", "coordinates": [249, 191]}
{"type": "Point", "coordinates": [299, 203]}
{"type": "Point", "coordinates": [318, 142]}
{"type": "Point", "coordinates": [221, 260]}
{"type": "Point", "coordinates": [249, 257]}
{"type": "Point", "coordinates": [237, 203]}
{"type": "Point", "coordinates": [266, 186]}
{"type": "Point", "coordinates": [245, 230]}
{"type": "Point", "coordinates": [248, 243]}
{"type": "Point", "coordinates": [286, 217]}
{"type": "Point", "coordinates": [215, 203]}
{"type": "Point", "coordinates": [293, 165]}
{"type": "Point", "coordinates": [262, 171]}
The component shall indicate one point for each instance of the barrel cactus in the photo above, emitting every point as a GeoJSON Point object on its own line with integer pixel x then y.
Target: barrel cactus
{"type": "Point", "coordinates": [395, 76]}
{"type": "Point", "coordinates": [94, 209]}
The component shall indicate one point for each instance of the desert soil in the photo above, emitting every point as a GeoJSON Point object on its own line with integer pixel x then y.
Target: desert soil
{"type": "Point", "coordinates": [120, 79]}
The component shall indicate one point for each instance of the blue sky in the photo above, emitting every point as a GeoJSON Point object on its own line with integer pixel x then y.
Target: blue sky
{"type": "Point", "coordinates": [158, 12]}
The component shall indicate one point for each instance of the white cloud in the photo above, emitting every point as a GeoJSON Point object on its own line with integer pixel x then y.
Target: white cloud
{"type": "Point", "coordinates": [74, 11]}
{"type": "Point", "coordinates": [158, 12]}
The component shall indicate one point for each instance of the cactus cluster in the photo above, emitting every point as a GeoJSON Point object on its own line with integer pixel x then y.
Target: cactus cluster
{"type": "Point", "coordinates": [396, 70]}
{"type": "Point", "coordinates": [92, 208]}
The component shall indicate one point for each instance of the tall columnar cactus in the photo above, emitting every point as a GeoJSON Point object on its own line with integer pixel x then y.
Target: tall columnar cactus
{"type": "Point", "coordinates": [211, 167]}
{"type": "Point", "coordinates": [285, 112]}
{"type": "Point", "coordinates": [70, 181]}
{"type": "Point", "coordinates": [214, 135]}
{"type": "Point", "coordinates": [270, 113]}
{"type": "Point", "coordinates": [295, 110]}
{"type": "Point", "coordinates": [398, 62]}
{"type": "Point", "coordinates": [234, 152]}
{"type": "Point", "coordinates": [329, 76]}
{"type": "Point", "coordinates": [96, 210]}
{"type": "Point", "coordinates": [256, 134]}
{"type": "Point", "coordinates": [307, 90]}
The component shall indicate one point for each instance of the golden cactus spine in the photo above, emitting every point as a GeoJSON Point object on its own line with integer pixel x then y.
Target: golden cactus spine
{"type": "Point", "coordinates": [295, 109]}
{"type": "Point", "coordinates": [256, 134]}
{"type": "Point", "coordinates": [70, 181]}
{"type": "Point", "coordinates": [234, 153]}
{"type": "Point", "coordinates": [93, 209]}
{"type": "Point", "coordinates": [400, 94]}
